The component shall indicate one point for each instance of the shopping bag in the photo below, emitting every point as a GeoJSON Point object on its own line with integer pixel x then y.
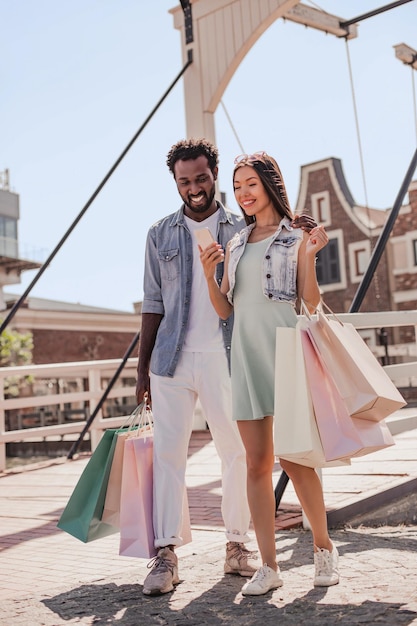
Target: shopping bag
{"type": "Point", "coordinates": [136, 498]}
{"type": "Point", "coordinates": [338, 434]}
{"type": "Point", "coordinates": [374, 436]}
{"type": "Point", "coordinates": [296, 436]}
{"type": "Point", "coordinates": [341, 435]}
{"type": "Point", "coordinates": [366, 389]}
{"type": "Point", "coordinates": [111, 509]}
{"type": "Point", "coordinates": [81, 517]}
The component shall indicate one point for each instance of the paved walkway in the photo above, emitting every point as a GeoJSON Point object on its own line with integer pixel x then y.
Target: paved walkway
{"type": "Point", "coordinates": [49, 578]}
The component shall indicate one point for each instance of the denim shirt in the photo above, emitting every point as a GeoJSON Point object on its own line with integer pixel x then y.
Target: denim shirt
{"type": "Point", "coordinates": [279, 266]}
{"type": "Point", "coordinates": [167, 284]}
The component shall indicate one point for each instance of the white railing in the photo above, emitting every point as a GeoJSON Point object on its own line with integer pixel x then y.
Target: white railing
{"type": "Point", "coordinates": [91, 378]}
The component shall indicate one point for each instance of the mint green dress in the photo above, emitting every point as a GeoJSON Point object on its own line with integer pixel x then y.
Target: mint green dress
{"type": "Point", "coordinates": [253, 339]}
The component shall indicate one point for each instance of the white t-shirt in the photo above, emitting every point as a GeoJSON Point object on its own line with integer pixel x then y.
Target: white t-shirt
{"type": "Point", "coordinates": [204, 332]}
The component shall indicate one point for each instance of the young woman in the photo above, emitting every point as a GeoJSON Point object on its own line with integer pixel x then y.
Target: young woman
{"type": "Point", "coordinates": [269, 265]}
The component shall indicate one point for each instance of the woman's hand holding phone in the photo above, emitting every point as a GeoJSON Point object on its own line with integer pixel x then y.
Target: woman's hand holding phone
{"type": "Point", "coordinates": [204, 237]}
{"type": "Point", "coordinates": [210, 255]}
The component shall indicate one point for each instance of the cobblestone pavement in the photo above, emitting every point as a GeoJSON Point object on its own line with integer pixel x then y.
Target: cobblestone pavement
{"type": "Point", "coordinates": [378, 586]}
{"type": "Point", "coordinates": [48, 578]}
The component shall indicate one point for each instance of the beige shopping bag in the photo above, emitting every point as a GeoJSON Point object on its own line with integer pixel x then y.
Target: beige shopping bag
{"type": "Point", "coordinates": [111, 510]}
{"type": "Point", "coordinates": [296, 436]}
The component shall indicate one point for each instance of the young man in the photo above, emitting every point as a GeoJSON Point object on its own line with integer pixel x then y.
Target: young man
{"type": "Point", "coordinates": [184, 354]}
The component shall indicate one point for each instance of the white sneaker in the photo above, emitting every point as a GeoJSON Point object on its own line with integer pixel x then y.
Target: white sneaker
{"type": "Point", "coordinates": [326, 564]}
{"type": "Point", "coordinates": [262, 581]}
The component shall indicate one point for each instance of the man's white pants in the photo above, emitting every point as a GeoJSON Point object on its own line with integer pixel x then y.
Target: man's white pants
{"type": "Point", "coordinates": [202, 375]}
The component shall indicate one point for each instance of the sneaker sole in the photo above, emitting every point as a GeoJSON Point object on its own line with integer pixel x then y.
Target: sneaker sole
{"type": "Point", "coordinates": [160, 592]}
{"type": "Point", "coordinates": [262, 593]}
{"type": "Point", "coordinates": [235, 572]}
{"type": "Point", "coordinates": [326, 584]}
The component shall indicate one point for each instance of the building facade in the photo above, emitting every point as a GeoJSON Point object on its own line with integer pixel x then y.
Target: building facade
{"type": "Point", "coordinates": [353, 233]}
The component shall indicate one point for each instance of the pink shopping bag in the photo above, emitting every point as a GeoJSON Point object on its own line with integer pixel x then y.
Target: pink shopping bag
{"type": "Point", "coordinates": [338, 434]}
{"type": "Point", "coordinates": [136, 497]}
{"type": "Point", "coordinates": [342, 436]}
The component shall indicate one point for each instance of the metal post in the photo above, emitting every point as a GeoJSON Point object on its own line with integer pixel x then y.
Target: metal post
{"type": "Point", "coordinates": [100, 403]}
{"type": "Point", "coordinates": [383, 238]}
{"type": "Point", "coordinates": [22, 298]}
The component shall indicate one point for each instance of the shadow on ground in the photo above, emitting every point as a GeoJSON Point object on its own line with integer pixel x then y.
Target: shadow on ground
{"type": "Point", "coordinates": [125, 604]}
{"type": "Point", "coordinates": [206, 599]}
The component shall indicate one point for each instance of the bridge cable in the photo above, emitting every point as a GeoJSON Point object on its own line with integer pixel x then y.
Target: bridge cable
{"type": "Point", "coordinates": [413, 87]}
{"type": "Point", "coordinates": [231, 126]}
{"type": "Point", "coordinates": [358, 134]}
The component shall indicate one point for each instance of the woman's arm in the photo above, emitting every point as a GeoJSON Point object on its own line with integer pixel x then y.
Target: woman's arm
{"type": "Point", "coordinates": [307, 285]}
{"type": "Point", "coordinates": [210, 257]}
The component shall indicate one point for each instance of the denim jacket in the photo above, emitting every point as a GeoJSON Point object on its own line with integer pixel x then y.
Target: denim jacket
{"type": "Point", "coordinates": [167, 284]}
{"type": "Point", "coordinates": [279, 267]}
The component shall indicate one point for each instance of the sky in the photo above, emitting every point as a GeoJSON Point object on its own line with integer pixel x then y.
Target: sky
{"type": "Point", "coordinates": [78, 78]}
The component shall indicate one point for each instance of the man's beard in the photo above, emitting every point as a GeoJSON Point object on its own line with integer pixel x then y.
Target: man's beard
{"type": "Point", "coordinates": [202, 208]}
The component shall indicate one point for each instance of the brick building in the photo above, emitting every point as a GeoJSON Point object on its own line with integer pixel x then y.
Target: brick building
{"type": "Point", "coordinates": [64, 332]}
{"type": "Point", "coordinates": [353, 232]}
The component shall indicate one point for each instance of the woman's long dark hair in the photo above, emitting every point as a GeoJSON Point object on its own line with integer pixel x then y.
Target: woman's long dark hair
{"type": "Point", "coordinates": [270, 174]}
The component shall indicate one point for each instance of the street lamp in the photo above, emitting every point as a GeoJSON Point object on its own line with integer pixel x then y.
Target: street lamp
{"type": "Point", "coordinates": [406, 54]}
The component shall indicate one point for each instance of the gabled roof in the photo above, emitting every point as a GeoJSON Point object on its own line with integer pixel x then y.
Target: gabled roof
{"type": "Point", "coordinates": [368, 220]}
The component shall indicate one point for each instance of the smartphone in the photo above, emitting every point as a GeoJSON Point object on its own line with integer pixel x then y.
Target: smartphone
{"type": "Point", "coordinates": [204, 237]}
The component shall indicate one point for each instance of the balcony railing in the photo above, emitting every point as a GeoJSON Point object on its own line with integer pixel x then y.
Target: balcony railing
{"type": "Point", "coordinates": [59, 397]}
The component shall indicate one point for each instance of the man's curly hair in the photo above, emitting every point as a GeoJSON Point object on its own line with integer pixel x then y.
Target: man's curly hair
{"type": "Point", "coordinates": [191, 149]}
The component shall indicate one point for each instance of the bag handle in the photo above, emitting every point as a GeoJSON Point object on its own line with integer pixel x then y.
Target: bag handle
{"type": "Point", "coordinates": [143, 421]}
{"type": "Point", "coordinates": [304, 309]}
{"type": "Point", "coordinates": [319, 309]}
{"type": "Point", "coordinates": [330, 313]}
{"type": "Point", "coordinates": [134, 418]}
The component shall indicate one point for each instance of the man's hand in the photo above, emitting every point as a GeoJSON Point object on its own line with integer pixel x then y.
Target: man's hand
{"type": "Point", "coordinates": [305, 222]}
{"type": "Point", "coordinates": [143, 388]}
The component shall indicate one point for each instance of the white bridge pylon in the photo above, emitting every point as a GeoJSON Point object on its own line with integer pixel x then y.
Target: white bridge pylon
{"type": "Point", "coordinates": [223, 33]}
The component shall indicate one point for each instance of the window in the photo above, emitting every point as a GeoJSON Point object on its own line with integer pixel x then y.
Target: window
{"type": "Point", "coordinates": [415, 251]}
{"type": "Point", "coordinates": [8, 227]}
{"type": "Point", "coordinates": [359, 256]}
{"type": "Point", "coordinates": [404, 253]}
{"type": "Point", "coordinates": [328, 265]}
{"type": "Point", "coordinates": [8, 237]}
{"type": "Point", "coordinates": [320, 207]}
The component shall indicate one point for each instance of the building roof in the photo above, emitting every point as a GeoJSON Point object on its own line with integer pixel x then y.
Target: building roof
{"type": "Point", "coordinates": [11, 264]}
{"type": "Point", "coordinates": [371, 218]}
{"type": "Point", "coordinates": [44, 304]}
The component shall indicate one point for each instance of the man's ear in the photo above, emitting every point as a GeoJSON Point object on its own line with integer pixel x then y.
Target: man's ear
{"type": "Point", "coordinates": [215, 172]}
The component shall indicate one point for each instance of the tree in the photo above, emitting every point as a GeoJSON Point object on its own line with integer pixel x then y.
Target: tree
{"type": "Point", "coordinates": [15, 349]}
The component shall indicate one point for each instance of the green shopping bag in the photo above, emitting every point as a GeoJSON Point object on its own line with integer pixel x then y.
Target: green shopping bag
{"type": "Point", "coordinates": [81, 517]}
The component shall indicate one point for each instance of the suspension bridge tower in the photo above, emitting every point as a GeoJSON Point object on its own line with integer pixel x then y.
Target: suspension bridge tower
{"type": "Point", "coordinates": [217, 34]}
